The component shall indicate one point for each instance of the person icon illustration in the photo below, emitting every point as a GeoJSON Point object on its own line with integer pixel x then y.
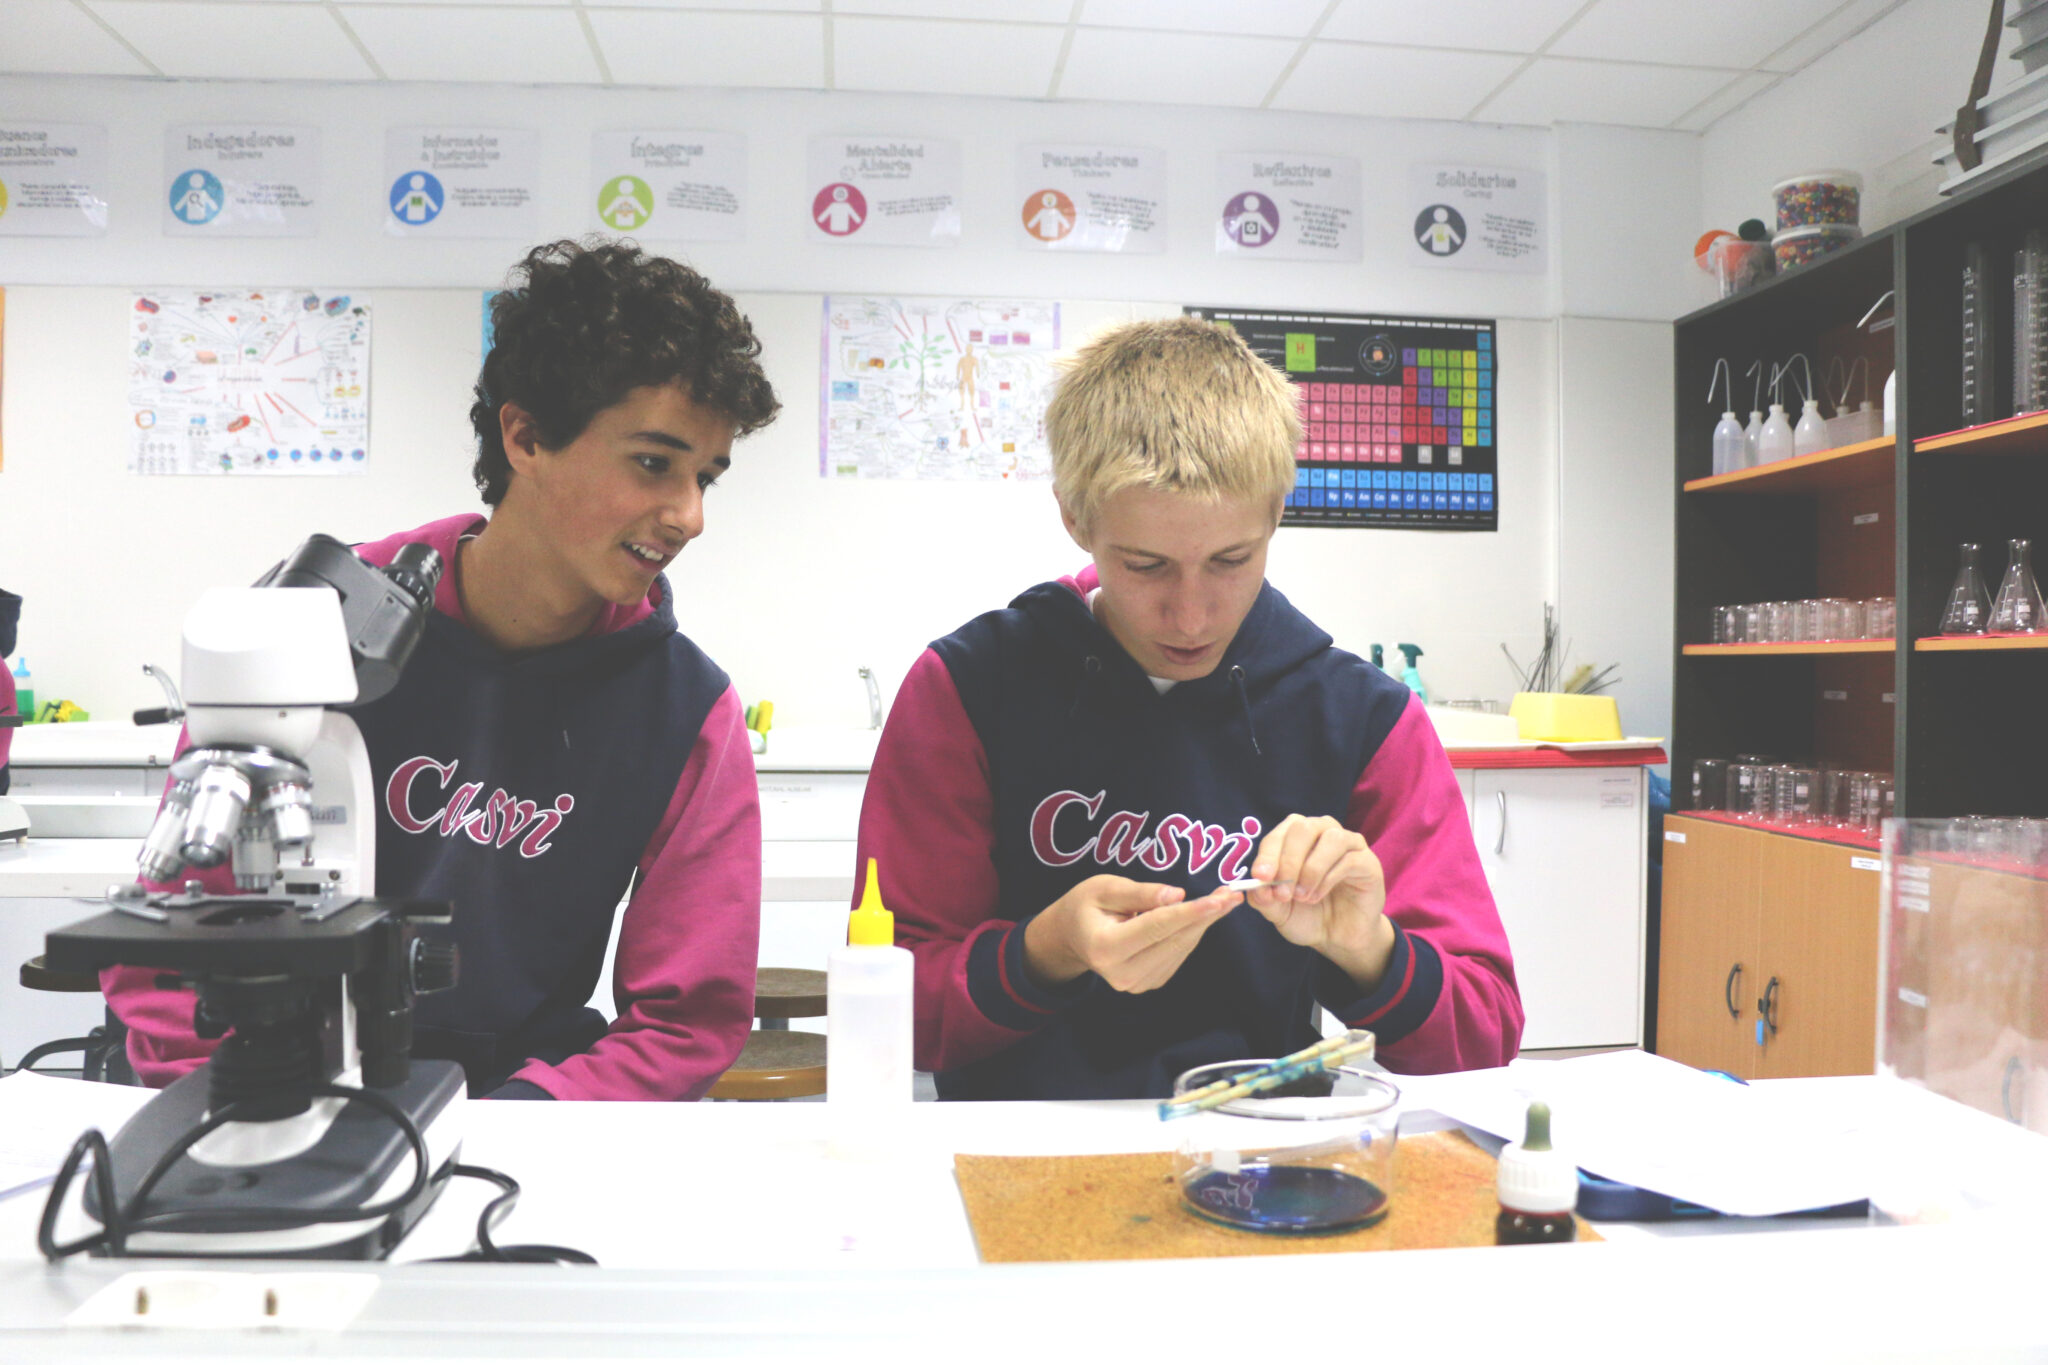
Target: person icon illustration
{"type": "Point", "coordinates": [1251, 220]}
{"type": "Point", "coordinates": [1251, 229]}
{"type": "Point", "coordinates": [1440, 235]}
{"type": "Point", "coordinates": [200, 201]}
{"type": "Point", "coordinates": [1050, 223]}
{"type": "Point", "coordinates": [840, 216]}
{"type": "Point", "coordinates": [628, 208]}
{"type": "Point", "coordinates": [418, 204]}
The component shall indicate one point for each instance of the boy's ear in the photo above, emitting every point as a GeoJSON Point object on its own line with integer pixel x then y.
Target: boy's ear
{"type": "Point", "coordinates": [520, 435]}
{"type": "Point", "coordinates": [1074, 531]}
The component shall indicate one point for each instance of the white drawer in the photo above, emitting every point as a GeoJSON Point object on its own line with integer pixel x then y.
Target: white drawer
{"type": "Point", "coordinates": [86, 780]}
{"type": "Point", "coordinates": [811, 805]}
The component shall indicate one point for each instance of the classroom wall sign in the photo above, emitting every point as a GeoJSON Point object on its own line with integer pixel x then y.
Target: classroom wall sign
{"type": "Point", "coordinates": [884, 191]}
{"type": "Point", "coordinates": [1284, 206]}
{"type": "Point", "coordinates": [53, 180]}
{"type": "Point", "coordinates": [1074, 197]}
{"type": "Point", "coordinates": [1479, 218]}
{"type": "Point", "coordinates": [239, 180]}
{"type": "Point", "coordinates": [669, 185]}
{"type": "Point", "coordinates": [460, 182]}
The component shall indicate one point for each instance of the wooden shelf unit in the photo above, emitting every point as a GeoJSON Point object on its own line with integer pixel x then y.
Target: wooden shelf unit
{"type": "Point", "coordinates": [1795, 647]}
{"type": "Point", "coordinates": [1879, 519]}
{"type": "Point", "coordinates": [1850, 466]}
{"type": "Point", "coordinates": [1963, 644]}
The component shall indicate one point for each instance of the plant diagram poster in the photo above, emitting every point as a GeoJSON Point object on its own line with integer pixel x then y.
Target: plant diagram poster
{"type": "Point", "coordinates": [936, 388]}
{"type": "Point", "coordinates": [1397, 416]}
{"type": "Point", "coordinates": [249, 381]}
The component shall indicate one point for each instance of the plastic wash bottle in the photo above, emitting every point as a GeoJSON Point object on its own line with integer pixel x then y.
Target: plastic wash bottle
{"type": "Point", "coordinates": [868, 986]}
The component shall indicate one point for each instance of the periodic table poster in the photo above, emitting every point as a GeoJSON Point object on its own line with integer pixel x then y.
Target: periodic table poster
{"type": "Point", "coordinates": [1397, 416]}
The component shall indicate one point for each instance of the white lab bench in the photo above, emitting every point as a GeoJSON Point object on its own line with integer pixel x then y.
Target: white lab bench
{"type": "Point", "coordinates": [726, 1230]}
{"type": "Point", "coordinates": [1561, 838]}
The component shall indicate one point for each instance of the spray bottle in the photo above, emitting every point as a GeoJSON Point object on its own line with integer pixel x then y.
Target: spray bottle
{"type": "Point", "coordinates": [25, 693]}
{"type": "Point", "coordinates": [1410, 675]}
{"type": "Point", "coordinates": [868, 986]}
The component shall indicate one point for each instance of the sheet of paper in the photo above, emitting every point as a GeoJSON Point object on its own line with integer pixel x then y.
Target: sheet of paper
{"type": "Point", "coordinates": [1647, 1121]}
{"type": "Point", "coordinates": [41, 1116]}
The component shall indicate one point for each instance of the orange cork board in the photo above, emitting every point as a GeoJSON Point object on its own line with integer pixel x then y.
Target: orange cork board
{"type": "Point", "coordinates": [1127, 1208]}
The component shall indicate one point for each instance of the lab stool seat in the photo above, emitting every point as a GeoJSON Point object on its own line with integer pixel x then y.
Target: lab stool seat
{"type": "Point", "coordinates": [779, 1063]}
{"type": "Point", "coordinates": [103, 1052]}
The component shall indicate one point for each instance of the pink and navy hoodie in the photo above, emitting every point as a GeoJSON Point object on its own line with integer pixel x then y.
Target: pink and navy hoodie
{"type": "Point", "coordinates": [1027, 751]}
{"type": "Point", "coordinates": [531, 790]}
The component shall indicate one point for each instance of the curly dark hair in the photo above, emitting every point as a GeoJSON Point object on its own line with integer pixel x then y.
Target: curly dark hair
{"type": "Point", "coordinates": [583, 323]}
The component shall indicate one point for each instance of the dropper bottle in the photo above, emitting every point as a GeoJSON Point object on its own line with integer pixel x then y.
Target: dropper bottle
{"type": "Point", "coordinates": [1537, 1187]}
{"type": "Point", "coordinates": [868, 1031]}
{"type": "Point", "coordinates": [1775, 441]}
{"type": "Point", "coordinates": [1728, 444]}
{"type": "Point", "coordinates": [1751, 434]}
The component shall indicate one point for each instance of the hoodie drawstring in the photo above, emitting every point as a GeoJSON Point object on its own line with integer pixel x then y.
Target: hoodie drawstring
{"type": "Point", "coordinates": [1244, 699]}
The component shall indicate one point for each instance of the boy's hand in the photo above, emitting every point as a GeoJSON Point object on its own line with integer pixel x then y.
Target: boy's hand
{"type": "Point", "coordinates": [1331, 895]}
{"type": "Point", "coordinates": [1134, 935]}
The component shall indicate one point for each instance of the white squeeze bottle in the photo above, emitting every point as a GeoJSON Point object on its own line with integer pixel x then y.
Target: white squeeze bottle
{"type": "Point", "coordinates": [868, 987]}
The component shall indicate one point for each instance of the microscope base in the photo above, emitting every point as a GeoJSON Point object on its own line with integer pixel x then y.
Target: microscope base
{"type": "Point", "coordinates": [360, 1159]}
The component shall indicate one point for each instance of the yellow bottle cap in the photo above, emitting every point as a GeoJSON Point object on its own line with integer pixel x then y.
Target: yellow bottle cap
{"type": "Point", "coordinates": [871, 926]}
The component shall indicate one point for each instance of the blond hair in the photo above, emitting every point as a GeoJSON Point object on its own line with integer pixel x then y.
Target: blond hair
{"type": "Point", "coordinates": [1180, 404]}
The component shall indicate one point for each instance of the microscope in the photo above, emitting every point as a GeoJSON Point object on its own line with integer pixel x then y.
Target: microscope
{"type": "Point", "coordinates": [310, 1132]}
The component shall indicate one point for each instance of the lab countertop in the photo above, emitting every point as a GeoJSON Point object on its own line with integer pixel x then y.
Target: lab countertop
{"type": "Point", "coordinates": [728, 1229]}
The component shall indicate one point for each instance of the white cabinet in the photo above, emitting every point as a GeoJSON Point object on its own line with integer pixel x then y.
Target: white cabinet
{"type": "Point", "coordinates": [1564, 851]}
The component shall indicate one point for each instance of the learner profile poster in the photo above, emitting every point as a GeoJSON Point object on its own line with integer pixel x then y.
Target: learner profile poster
{"type": "Point", "coordinates": [670, 185]}
{"type": "Point", "coordinates": [1397, 416]}
{"type": "Point", "coordinates": [1092, 198]}
{"type": "Point", "coordinates": [884, 191]}
{"type": "Point", "coordinates": [53, 179]}
{"type": "Point", "coordinates": [1479, 218]}
{"type": "Point", "coordinates": [1283, 206]}
{"type": "Point", "coordinates": [241, 180]}
{"type": "Point", "coordinates": [461, 182]}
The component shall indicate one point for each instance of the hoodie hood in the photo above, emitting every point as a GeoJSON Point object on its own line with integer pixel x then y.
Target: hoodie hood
{"type": "Point", "coordinates": [619, 632]}
{"type": "Point", "coordinates": [1273, 641]}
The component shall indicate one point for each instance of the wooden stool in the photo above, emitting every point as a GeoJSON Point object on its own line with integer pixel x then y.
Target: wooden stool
{"type": "Point", "coordinates": [103, 1053]}
{"type": "Point", "coordinates": [778, 1063]}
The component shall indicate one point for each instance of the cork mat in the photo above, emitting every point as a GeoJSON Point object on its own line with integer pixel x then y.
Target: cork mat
{"type": "Point", "coordinates": [1127, 1208]}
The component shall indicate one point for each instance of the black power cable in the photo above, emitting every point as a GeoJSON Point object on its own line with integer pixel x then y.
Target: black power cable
{"type": "Point", "coordinates": [119, 1222]}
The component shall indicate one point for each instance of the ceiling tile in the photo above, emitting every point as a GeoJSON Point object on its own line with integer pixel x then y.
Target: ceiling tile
{"type": "Point", "coordinates": [465, 4]}
{"type": "Point", "coordinates": [1173, 68]}
{"type": "Point", "coordinates": [1277, 18]}
{"type": "Point", "coordinates": [754, 6]}
{"type": "Point", "coordinates": [217, 41]}
{"type": "Point", "coordinates": [1726, 101]}
{"type": "Point", "coordinates": [1845, 23]}
{"type": "Point", "coordinates": [1560, 90]}
{"type": "Point", "coordinates": [1392, 82]}
{"type": "Point", "coordinates": [1012, 11]}
{"type": "Point", "coordinates": [447, 43]}
{"type": "Point", "coordinates": [53, 37]}
{"type": "Point", "coordinates": [1726, 33]}
{"type": "Point", "coordinates": [938, 57]}
{"type": "Point", "coordinates": [655, 47]}
{"type": "Point", "coordinates": [1520, 26]}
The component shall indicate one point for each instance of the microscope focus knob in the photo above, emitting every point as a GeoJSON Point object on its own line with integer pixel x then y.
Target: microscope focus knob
{"type": "Point", "coordinates": [435, 965]}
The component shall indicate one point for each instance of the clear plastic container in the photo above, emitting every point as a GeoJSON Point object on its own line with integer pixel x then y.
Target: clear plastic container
{"type": "Point", "coordinates": [1314, 1156]}
{"type": "Point", "coordinates": [1831, 197]}
{"type": "Point", "coordinates": [1798, 246]}
{"type": "Point", "coordinates": [1736, 264]}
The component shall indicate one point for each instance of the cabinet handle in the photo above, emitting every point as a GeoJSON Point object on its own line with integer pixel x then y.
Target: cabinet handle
{"type": "Point", "coordinates": [1728, 992]}
{"type": "Point", "coordinates": [1500, 844]}
{"type": "Point", "coordinates": [1767, 1009]}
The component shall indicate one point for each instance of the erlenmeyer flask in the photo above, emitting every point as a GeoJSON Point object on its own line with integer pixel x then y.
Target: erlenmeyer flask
{"type": "Point", "coordinates": [2018, 609]}
{"type": "Point", "coordinates": [1969, 602]}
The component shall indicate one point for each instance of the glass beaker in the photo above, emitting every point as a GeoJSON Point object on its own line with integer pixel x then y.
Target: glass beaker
{"type": "Point", "coordinates": [1806, 620]}
{"type": "Point", "coordinates": [1880, 617]}
{"type": "Point", "coordinates": [2018, 610]}
{"type": "Point", "coordinates": [1837, 786]}
{"type": "Point", "coordinates": [1710, 784]}
{"type": "Point", "coordinates": [1744, 781]}
{"type": "Point", "coordinates": [1969, 602]}
{"type": "Point", "coordinates": [1795, 792]}
{"type": "Point", "coordinates": [1315, 1156]}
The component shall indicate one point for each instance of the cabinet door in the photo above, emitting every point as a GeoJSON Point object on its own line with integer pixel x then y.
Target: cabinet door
{"type": "Point", "coordinates": [1707, 971]}
{"type": "Point", "coordinates": [1563, 852]}
{"type": "Point", "coordinates": [1818, 940]}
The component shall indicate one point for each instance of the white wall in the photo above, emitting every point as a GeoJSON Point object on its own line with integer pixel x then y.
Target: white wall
{"type": "Point", "coordinates": [1871, 106]}
{"type": "Point", "coordinates": [798, 581]}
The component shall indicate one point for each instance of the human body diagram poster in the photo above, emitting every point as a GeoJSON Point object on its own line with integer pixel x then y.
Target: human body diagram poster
{"type": "Point", "coordinates": [936, 388]}
{"type": "Point", "coordinates": [254, 382]}
{"type": "Point", "coordinates": [1397, 416]}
